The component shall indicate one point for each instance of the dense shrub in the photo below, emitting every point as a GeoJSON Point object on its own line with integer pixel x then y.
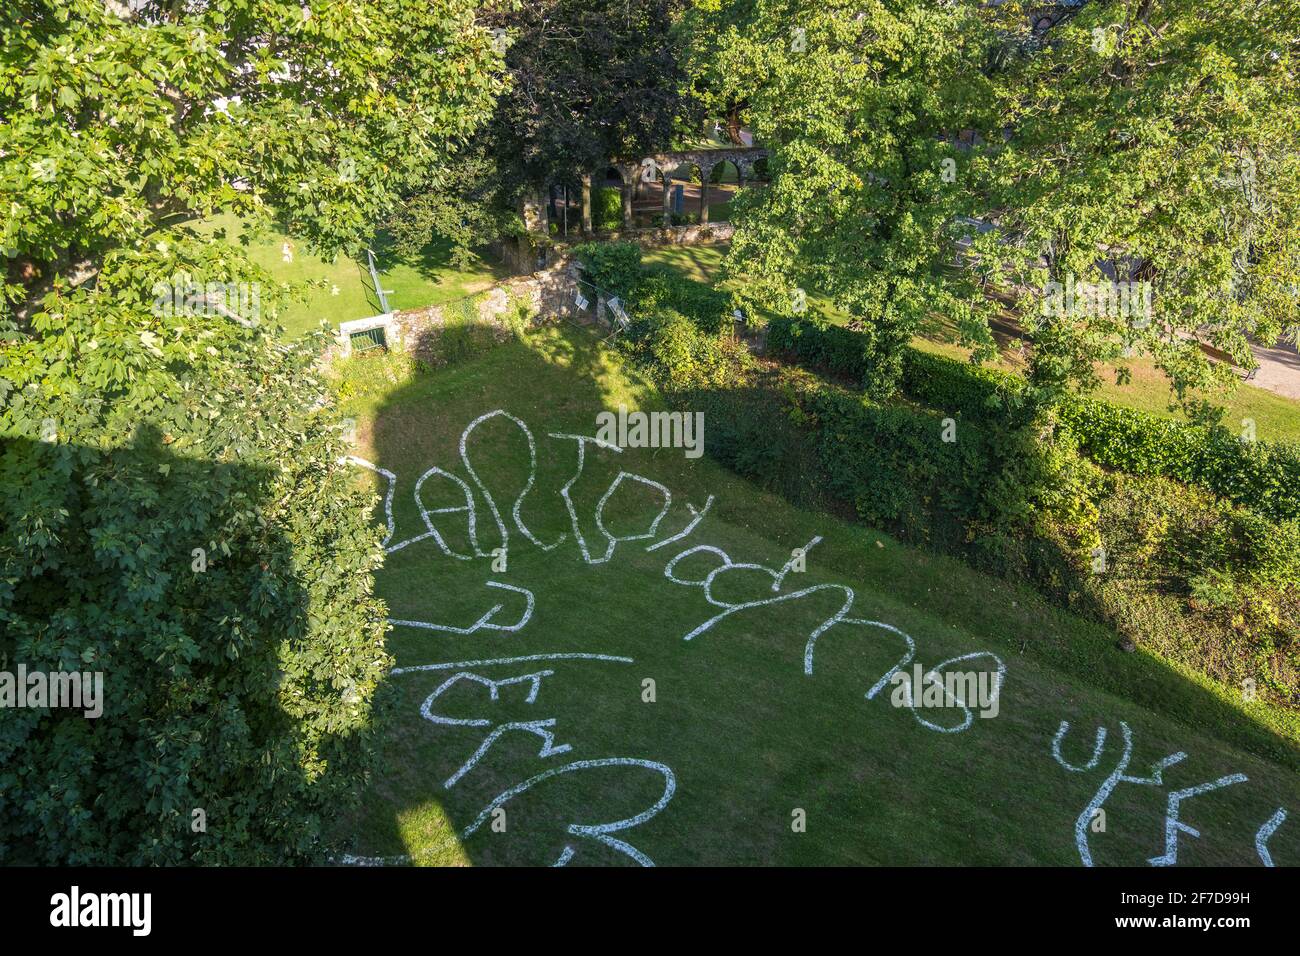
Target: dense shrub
{"type": "Point", "coordinates": [607, 207]}
{"type": "Point", "coordinates": [753, 429]}
{"type": "Point", "coordinates": [1264, 476]}
{"type": "Point", "coordinates": [958, 386]}
{"type": "Point", "coordinates": [1202, 581]}
{"type": "Point", "coordinates": [710, 309]}
{"type": "Point", "coordinates": [676, 354]}
{"type": "Point", "coordinates": [613, 267]}
{"type": "Point", "coordinates": [751, 426]}
{"type": "Point", "coordinates": [932, 379]}
{"type": "Point", "coordinates": [890, 464]}
{"type": "Point", "coordinates": [238, 680]}
{"type": "Point", "coordinates": [888, 461]}
{"type": "Point", "coordinates": [834, 349]}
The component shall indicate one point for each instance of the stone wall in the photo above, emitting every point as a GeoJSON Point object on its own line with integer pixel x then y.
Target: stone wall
{"type": "Point", "coordinates": [549, 293]}
{"type": "Point", "coordinates": [690, 235]}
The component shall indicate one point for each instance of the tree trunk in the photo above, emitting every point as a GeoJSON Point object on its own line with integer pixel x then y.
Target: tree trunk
{"type": "Point", "coordinates": [733, 122]}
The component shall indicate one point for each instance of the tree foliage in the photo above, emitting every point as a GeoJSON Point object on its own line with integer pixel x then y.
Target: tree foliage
{"type": "Point", "coordinates": [589, 83]}
{"type": "Point", "coordinates": [467, 202]}
{"type": "Point", "coordinates": [857, 104]}
{"type": "Point", "coordinates": [1155, 138]}
{"type": "Point", "coordinates": [176, 513]}
{"type": "Point", "coordinates": [1142, 141]}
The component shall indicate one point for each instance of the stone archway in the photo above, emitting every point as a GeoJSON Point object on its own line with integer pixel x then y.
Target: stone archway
{"type": "Point", "coordinates": [705, 160]}
{"type": "Point", "coordinates": [744, 158]}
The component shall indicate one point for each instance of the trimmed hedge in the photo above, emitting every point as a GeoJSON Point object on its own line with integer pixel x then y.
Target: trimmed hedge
{"type": "Point", "coordinates": [944, 383]}
{"type": "Point", "coordinates": [835, 349]}
{"type": "Point", "coordinates": [888, 461]}
{"type": "Point", "coordinates": [1262, 475]}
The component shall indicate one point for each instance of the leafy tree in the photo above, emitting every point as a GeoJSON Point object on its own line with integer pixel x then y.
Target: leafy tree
{"type": "Point", "coordinates": [1131, 141]}
{"type": "Point", "coordinates": [860, 105]}
{"type": "Point", "coordinates": [591, 80]}
{"type": "Point", "coordinates": [589, 83]}
{"type": "Point", "coordinates": [176, 513]}
{"type": "Point", "coordinates": [1155, 138]}
{"type": "Point", "coordinates": [468, 202]}
{"type": "Point", "coordinates": [707, 23]}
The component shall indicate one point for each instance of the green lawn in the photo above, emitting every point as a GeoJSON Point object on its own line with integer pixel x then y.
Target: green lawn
{"type": "Point", "coordinates": [700, 263]}
{"type": "Point", "coordinates": [752, 742]}
{"type": "Point", "coordinates": [342, 289]}
{"type": "Point", "coordinates": [1275, 417]}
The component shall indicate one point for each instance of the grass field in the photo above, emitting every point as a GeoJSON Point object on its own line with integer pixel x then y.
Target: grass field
{"type": "Point", "coordinates": [342, 290]}
{"type": "Point", "coordinates": [740, 745]}
{"type": "Point", "coordinates": [1275, 417]}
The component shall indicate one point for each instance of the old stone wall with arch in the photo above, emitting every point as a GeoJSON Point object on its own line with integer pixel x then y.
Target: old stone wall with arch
{"type": "Point", "coordinates": [744, 158]}
{"type": "Point", "coordinates": [705, 161]}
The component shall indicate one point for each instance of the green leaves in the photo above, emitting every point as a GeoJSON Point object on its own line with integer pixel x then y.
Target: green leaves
{"type": "Point", "coordinates": [138, 424]}
{"type": "Point", "coordinates": [1159, 139]}
{"type": "Point", "coordinates": [145, 123]}
{"type": "Point", "coordinates": [858, 108]}
{"type": "Point", "coordinates": [1264, 476]}
{"type": "Point", "coordinates": [1154, 141]}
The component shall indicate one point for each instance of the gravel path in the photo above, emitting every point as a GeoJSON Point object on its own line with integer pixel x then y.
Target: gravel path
{"type": "Point", "coordinates": [1279, 369]}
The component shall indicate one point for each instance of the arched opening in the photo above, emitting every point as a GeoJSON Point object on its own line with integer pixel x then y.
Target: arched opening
{"type": "Point", "coordinates": [725, 179]}
{"type": "Point", "coordinates": [725, 172]}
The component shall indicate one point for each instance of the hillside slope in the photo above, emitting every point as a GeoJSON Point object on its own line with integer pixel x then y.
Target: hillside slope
{"type": "Point", "coordinates": [770, 733]}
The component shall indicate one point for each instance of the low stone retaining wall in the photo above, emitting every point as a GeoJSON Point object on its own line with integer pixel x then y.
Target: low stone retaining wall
{"type": "Point", "coordinates": [690, 235]}
{"type": "Point", "coordinates": [526, 253]}
{"type": "Point", "coordinates": [552, 292]}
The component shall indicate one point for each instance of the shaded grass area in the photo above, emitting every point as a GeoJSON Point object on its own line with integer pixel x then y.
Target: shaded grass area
{"type": "Point", "coordinates": [342, 290]}
{"type": "Point", "coordinates": [750, 738]}
{"type": "Point", "coordinates": [1275, 416]}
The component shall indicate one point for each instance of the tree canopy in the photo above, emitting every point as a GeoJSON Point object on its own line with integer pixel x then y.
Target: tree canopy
{"type": "Point", "coordinates": [1113, 142]}
{"type": "Point", "coordinates": [1154, 141]}
{"type": "Point", "coordinates": [860, 106]}
{"type": "Point", "coordinates": [176, 514]}
{"type": "Point", "coordinates": [589, 82]}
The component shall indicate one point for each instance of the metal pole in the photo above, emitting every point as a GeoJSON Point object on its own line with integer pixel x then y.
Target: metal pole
{"type": "Point", "coordinates": [380, 291]}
